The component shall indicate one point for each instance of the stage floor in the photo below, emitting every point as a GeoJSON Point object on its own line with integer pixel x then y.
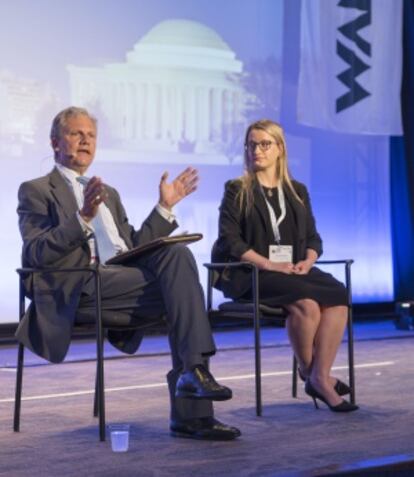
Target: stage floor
{"type": "Point", "coordinates": [59, 435]}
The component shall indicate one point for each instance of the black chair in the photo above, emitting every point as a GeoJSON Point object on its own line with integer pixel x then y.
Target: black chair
{"type": "Point", "coordinates": [98, 320]}
{"type": "Point", "coordinates": [257, 312]}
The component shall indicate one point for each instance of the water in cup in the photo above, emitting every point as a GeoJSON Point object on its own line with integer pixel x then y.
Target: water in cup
{"type": "Point", "coordinates": [119, 437]}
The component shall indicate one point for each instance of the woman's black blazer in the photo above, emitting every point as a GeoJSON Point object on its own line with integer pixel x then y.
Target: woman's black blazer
{"type": "Point", "coordinates": [240, 231]}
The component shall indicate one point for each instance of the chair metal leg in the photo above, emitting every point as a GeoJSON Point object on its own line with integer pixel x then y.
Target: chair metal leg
{"type": "Point", "coordinates": [95, 396]}
{"type": "Point", "coordinates": [351, 370]}
{"type": "Point", "coordinates": [209, 303]}
{"type": "Point", "coordinates": [350, 332]}
{"type": "Point", "coordinates": [18, 394]}
{"type": "Point", "coordinates": [101, 396]}
{"type": "Point", "coordinates": [257, 348]}
{"type": "Point", "coordinates": [99, 357]}
{"type": "Point", "coordinates": [258, 368]}
{"type": "Point", "coordinates": [20, 362]}
{"type": "Point", "coordinates": [294, 377]}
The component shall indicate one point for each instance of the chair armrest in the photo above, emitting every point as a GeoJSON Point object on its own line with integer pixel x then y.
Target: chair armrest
{"type": "Point", "coordinates": [93, 269]}
{"type": "Point", "coordinates": [89, 268]}
{"type": "Point", "coordinates": [215, 266]}
{"type": "Point", "coordinates": [221, 265]}
{"type": "Point", "coordinates": [345, 261]}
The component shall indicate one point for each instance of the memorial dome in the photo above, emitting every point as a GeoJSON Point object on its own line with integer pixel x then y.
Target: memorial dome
{"type": "Point", "coordinates": [178, 43]}
{"type": "Point", "coordinates": [184, 33]}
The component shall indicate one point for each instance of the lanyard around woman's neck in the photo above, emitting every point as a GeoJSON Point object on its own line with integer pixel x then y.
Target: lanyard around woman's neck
{"type": "Point", "coordinates": [273, 219]}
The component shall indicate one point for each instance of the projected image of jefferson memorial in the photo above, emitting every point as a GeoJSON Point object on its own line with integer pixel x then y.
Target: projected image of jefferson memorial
{"type": "Point", "coordinates": [178, 93]}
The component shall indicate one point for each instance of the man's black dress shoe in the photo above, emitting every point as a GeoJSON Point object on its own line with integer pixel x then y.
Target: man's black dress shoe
{"type": "Point", "coordinates": [200, 384]}
{"type": "Point", "coordinates": [206, 428]}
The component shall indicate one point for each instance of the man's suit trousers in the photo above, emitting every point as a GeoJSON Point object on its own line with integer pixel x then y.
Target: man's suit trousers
{"type": "Point", "coordinates": [164, 282]}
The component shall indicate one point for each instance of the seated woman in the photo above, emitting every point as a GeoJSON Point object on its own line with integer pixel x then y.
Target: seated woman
{"type": "Point", "coordinates": [266, 219]}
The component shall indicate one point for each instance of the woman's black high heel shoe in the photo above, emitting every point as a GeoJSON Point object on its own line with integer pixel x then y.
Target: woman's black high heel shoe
{"type": "Point", "coordinates": [340, 387]}
{"type": "Point", "coordinates": [344, 406]}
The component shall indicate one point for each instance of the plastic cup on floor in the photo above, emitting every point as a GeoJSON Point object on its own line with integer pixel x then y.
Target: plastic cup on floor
{"type": "Point", "coordinates": [119, 437]}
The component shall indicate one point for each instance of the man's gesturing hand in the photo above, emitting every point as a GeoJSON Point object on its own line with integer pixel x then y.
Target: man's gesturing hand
{"type": "Point", "coordinates": [183, 185]}
{"type": "Point", "coordinates": [94, 194]}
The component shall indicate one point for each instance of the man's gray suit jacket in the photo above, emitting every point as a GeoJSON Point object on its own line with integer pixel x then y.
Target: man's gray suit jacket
{"type": "Point", "coordinates": [53, 237]}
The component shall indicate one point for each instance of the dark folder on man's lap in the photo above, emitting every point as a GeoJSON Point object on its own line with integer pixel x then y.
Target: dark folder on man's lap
{"type": "Point", "coordinates": [136, 252]}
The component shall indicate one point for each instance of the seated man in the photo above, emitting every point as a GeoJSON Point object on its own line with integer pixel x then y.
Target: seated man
{"type": "Point", "coordinates": [67, 220]}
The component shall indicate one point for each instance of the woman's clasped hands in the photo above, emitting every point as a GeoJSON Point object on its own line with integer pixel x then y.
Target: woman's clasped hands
{"type": "Point", "coordinates": [300, 268]}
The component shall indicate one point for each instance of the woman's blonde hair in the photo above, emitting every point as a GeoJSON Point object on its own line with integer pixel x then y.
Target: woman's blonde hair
{"type": "Point", "coordinates": [245, 196]}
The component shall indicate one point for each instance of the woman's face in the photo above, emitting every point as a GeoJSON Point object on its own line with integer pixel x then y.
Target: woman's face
{"type": "Point", "coordinates": [262, 150]}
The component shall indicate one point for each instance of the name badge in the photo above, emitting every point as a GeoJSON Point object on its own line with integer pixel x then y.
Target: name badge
{"type": "Point", "coordinates": [280, 253]}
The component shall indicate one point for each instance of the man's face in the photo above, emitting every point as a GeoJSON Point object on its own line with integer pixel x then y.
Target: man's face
{"type": "Point", "coordinates": [75, 148]}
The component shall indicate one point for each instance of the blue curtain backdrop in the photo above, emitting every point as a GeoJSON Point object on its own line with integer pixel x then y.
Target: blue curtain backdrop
{"type": "Point", "coordinates": [402, 172]}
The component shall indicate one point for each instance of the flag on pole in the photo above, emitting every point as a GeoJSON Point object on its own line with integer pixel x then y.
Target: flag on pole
{"type": "Point", "coordinates": [351, 66]}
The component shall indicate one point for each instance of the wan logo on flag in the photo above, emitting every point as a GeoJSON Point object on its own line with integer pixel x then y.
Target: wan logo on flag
{"type": "Point", "coordinates": [356, 64]}
{"type": "Point", "coordinates": [351, 66]}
